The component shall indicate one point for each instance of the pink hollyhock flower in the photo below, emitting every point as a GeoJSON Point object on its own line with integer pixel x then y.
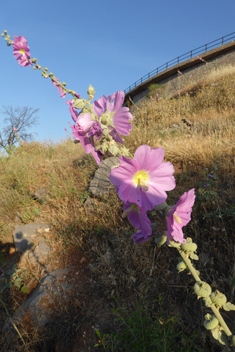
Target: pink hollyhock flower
{"type": "Point", "coordinates": [62, 93]}
{"type": "Point", "coordinates": [21, 51]}
{"type": "Point", "coordinates": [144, 179]}
{"type": "Point", "coordinates": [79, 133]}
{"type": "Point", "coordinates": [96, 130]}
{"type": "Point", "coordinates": [138, 218]}
{"type": "Point", "coordinates": [84, 123]}
{"type": "Point", "coordinates": [179, 216]}
{"type": "Point", "coordinates": [139, 238]}
{"type": "Point", "coordinates": [122, 115]}
{"type": "Point", "coordinates": [72, 110]}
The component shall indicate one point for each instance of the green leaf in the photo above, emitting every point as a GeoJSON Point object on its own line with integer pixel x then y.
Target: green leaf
{"type": "Point", "coordinates": [229, 306]}
{"type": "Point", "coordinates": [24, 289]}
{"type": "Point", "coordinates": [194, 256]}
{"type": "Point", "coordinates": [97, 332]}
{"type": "Point", "coordinates": [220, 335]}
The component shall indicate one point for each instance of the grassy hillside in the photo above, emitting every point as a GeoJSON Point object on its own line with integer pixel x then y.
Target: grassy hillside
{"type": "Point", "coordinates": [152, 301]}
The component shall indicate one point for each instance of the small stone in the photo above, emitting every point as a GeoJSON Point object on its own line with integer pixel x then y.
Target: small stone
{"type": "Point", "coordinates": [12, 250]}
{"type": "Point", "coordinates": [41, 194]}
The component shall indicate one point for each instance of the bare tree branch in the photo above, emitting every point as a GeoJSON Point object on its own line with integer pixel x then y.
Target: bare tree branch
{"type": "Point", "coordinates": [19, 118]}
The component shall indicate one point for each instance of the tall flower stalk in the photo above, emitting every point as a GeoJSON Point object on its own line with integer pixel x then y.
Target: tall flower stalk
{"type": "Point", "coordinates": [141, 181]}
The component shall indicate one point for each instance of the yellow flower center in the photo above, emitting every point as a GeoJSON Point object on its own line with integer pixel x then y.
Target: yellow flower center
{"type": "Point", "coordinates": [22, 51]}
{"type": "Point", "coordinates": [141, 179]}
{"type": "Point", "coordinates": [177, 218]}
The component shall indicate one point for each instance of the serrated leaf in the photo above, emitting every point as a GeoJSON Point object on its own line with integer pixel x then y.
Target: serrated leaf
{"type": "Point", "coordinates": [228, 306]}
{"type": "Point", "coordinates": [24, 289]}
{"type": "Point", "coordinates": [194, 256]}
{"type": "Point", "coordinates": [220, 336]}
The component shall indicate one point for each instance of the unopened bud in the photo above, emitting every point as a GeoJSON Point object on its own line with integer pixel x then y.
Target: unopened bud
{"type": "Point", "coordinates": [35, 67]}
{"type": "Point", "coordinates": [160, 240]}
{"type": "Point", "coordinates": [113, 150]}
{"type": "Point", "coordinates": [181, 266]}
{"type": "Point", "coordinates": [34, 60]}
{"type": "Point", "coordinates": [64, 84]}
{"type": "Point", "coordinates": [45, 69]}
{"type": "Point", "coordinates": [210, 322]}
{"type": "Point", "coordinates": [9, 43]}
{"type": "Point", "coordinates": [218, 298]}
{"type": "Point", "coordinates": [189, 247]}
{"type": "Point", "coordinates": [202, 289]}
{"type": "Point", "coordinates": [79, 104]}
{"type": "Point", "coordinates": [6, 39]}
{"type": "Point", "coordinates": [2, 35]}
{"type": "Point", "coordinates": [5, 31]}
{"type": "Point", "coordinates": [91, 90]}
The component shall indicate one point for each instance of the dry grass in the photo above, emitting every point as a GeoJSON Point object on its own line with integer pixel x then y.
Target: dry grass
{"type": "Point", "coordinates": [120, 267]}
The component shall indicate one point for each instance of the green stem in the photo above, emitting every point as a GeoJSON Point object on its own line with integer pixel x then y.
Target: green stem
{"type": "Point", "coordinates": [208, 301]}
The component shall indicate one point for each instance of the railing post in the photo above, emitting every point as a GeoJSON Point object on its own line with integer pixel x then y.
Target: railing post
{"type": "Point", "coordinates": [191, 54]}
{"type": "Point", "coordinates": [178, 59]}
{"type": "Point", "coordinates": [149, 75]}
{"type": "Point", "coordinates": [206, 47]}
{"type": "Point", "coordinates": [157, 70]}
{"type": "Point", "coordinates": [222, 40]}
{"type": "Point", "coordinates": [167, 65]}
{"type": "Point", "coordinates": [141, 79]}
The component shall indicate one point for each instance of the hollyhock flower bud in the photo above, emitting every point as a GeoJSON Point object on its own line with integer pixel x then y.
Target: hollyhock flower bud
{"type": "Point", "coordinates": [181, 266]}
{"type": "Point", "coordinates": [210, 322]}
{"type": "Point", "coordinates": [91, 90]}
{"type": "Point", "coordinates": [218, 298]}
{"type": "Point", "coordinates": [160, 240]}
{"type": "Point", "coordinates": [79, 103]}
{"type": "Point", "coordinates": [202, 289]}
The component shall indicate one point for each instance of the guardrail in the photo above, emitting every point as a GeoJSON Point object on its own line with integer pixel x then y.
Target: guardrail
{"type": "Point", "coordinates": [200, 50]}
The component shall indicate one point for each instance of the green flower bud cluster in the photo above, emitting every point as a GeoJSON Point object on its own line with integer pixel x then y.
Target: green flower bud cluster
{"type": "Point", "coordinates": [7, 38]}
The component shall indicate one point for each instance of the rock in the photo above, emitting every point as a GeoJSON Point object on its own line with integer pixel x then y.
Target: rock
{"type": "Point", "coordinates": [40, 253]}
{"type": "Point", "coordinates": [41, 194]}
{"type": "Point", "coordinates": [107, 258]}
{"type": "Point", "coordinates": [101, 185]}
{"type": "Point", "coordinates": [28, 236]}
{"type": "Point", "coordinates": [89, 205]}
{"type": "Point", "coordinates": [24, 236]}
{"type": "Point", "coordinates": [40, 306]}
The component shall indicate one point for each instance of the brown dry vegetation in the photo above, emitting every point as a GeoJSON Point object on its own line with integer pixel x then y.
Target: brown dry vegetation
{"type": "Point", "coordinates": [136, 273]}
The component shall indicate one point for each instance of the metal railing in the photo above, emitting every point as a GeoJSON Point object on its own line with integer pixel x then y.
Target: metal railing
{"type": "Point", "coordinates": [200, 50]}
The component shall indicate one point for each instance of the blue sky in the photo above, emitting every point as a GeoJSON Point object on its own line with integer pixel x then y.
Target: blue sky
{"type": "Point", "coordinates": [109, 44]}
